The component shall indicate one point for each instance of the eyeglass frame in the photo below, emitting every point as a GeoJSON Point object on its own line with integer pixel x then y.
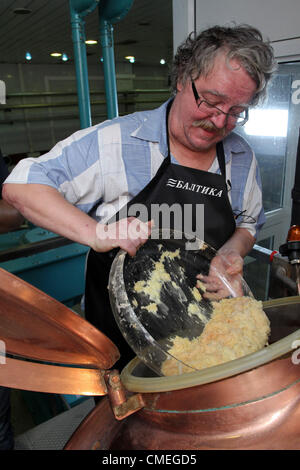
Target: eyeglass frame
{"type": "Point", "coordinates": [197, 98]}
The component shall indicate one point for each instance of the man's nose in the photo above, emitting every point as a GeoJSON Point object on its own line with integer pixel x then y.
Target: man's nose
{"type": "Point", "coordinates": [219, 119]}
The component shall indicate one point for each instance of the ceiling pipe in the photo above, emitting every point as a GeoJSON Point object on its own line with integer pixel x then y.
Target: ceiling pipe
{"type": "Point", "coordinates": [84, 7]}
{"type": "Point", "coordinates": [110, 12]}
{"type": "Point", "coordinates": [78, 10]}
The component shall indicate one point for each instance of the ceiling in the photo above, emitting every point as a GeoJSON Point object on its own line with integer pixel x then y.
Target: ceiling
{"type": "Point", "coordinates": [145, 32]}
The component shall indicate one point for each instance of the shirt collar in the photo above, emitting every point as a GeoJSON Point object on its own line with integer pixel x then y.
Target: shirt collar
{"type": "Point", "coordinates": [153, 128]}
{"type": "Point", "coordinates": [233, 144]}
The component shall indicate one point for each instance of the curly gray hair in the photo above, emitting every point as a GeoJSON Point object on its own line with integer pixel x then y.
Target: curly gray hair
{"type": "Point", "coordinates": [195, 57]}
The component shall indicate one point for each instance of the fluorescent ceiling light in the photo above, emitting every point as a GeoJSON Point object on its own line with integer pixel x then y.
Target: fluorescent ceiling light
{"type": "Point", "coordinates": [55, 54]}
{"type": "Point", "coordinates": [91, 41]}
{"type": "Point", "coordinates": [131, 58]}
{"type": "Point", "coordinates": [267, 122]}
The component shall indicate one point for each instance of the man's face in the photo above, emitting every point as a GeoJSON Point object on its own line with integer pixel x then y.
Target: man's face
{"type": "Point", "coordinates": [229, 87]}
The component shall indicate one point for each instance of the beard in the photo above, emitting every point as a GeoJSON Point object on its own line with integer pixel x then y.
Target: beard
{"type": "Point", "coordinates": [209, 126]}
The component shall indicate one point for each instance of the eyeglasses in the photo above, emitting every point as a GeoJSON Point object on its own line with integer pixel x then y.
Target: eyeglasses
{"type": "Point", "coordinates": [238, 116]}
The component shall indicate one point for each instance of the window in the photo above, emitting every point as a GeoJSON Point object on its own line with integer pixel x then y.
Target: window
{"type": "Point", "coordinates": [272, 131]}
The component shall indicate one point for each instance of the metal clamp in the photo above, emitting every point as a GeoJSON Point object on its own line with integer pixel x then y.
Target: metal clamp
{"type": "Point", "coordinates": [122, 405]}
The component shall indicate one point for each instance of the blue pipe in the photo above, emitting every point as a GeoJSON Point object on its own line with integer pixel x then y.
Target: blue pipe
{"type": "Point", "coordinates": [110, 83]}
{"type": "Point", "coordinates": [113, 11]}
{"type": "Point", "coordinates": [110, 12]}
{"type": "Point", "coordinates": [84, 6]}
{"type": "Point", "coordinates": [79, 9]}
{"type": "Point", "coordinates": [83, 91]}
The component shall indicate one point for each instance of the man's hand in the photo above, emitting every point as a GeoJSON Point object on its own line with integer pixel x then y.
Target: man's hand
{"type": "Point", "coordinates": [228, 264]}
{"type": "Point", "coordinates": [128, 234]}
{"type": "Point", "coordinates": [225, 276]}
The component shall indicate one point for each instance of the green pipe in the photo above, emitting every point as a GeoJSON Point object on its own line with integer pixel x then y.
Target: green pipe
{"type": "Point", "coordinates": [84, 6]}
{"type": "Point", "coordinates": [106, 39]}
{"type": "Point", "coordinates": [110, 12]}
{"type": "Point", "coordinates": [81, 71]}
{"type": "Point", "coordinates": [114, 11]}
{"type": "Point", "coordinates": [79, 9]}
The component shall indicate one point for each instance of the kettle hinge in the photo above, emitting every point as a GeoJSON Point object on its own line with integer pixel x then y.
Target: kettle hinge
{"type": "Point", "coordinates": [122, 405]}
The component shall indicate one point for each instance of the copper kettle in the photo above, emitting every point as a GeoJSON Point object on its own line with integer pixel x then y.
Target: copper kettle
{"type": "Point", "coordinates": [46, 347]}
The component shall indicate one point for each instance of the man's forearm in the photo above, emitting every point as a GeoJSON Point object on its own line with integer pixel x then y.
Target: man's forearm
{"type": "Point", "coordinates": [241, 241]}
{"type": "Point", "coordinates": [45, 207]}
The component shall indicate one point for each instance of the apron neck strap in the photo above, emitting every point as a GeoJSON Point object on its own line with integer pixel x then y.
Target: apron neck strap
{"type": "Point", "coordinates": [221, 158]}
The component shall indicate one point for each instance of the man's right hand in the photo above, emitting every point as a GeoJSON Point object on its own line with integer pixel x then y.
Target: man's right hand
{"type": "Point", "coordinates": [128, 234]}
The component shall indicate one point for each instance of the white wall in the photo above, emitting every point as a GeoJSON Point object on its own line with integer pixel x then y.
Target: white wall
{"type": "Point", "coordinates": [278, 20]}
{"type": "Point", "coordinates": [184, 20]}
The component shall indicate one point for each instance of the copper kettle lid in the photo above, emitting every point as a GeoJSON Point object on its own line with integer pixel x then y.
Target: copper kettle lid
{"type": "Point", "coordinates": [37, 328]}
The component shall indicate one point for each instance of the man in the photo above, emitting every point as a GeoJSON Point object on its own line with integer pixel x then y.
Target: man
{"type": "Point", "coordinates": [10, 219]}
{"type": "Point", "coordinates": [148, 157]}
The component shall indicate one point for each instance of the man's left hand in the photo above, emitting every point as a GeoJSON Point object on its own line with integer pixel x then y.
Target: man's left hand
{"type": "Point", "coordinates": [225, 276]}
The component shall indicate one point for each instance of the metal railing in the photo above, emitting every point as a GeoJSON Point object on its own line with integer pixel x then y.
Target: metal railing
{"type": "Point", "coordinates": [125, 98]}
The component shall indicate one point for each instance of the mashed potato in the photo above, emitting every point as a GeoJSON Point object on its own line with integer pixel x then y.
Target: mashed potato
{"type": "Point", "coordinates": [237, 327]}
{"type": "Point", "coordinates": [158, 278]}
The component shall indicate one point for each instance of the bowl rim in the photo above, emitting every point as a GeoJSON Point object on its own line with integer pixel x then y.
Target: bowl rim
{"type": "Point", "coordinates": [244, 364]}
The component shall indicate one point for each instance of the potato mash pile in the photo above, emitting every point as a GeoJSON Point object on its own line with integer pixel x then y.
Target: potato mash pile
{"type": "Point", "coordinates": [238, 326]}
{"type": "Point", "coordinates": [159, 277]}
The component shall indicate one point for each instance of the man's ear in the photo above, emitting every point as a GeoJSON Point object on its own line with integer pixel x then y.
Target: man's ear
{"type": "Point", "coordinates": [179, 86]}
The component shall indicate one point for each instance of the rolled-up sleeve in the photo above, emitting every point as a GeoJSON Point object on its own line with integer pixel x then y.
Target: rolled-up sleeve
{"type": "Point", "coordinates": [246, 188]}
{"type": "Point", "coordinates": [72, 167]}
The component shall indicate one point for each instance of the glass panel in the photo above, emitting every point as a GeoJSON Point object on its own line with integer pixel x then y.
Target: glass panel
{"type": "Point", "coordinates": [259, 285]}
{"type": "Point", "coordinates": [266, 131]}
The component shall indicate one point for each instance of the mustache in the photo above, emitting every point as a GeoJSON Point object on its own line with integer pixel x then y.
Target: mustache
{"type": "Point", "coordinates": [209, 126]}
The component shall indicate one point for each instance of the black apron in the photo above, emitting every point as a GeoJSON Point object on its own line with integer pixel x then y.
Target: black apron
{"type": "Point", "coordinates": [172, 183]}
